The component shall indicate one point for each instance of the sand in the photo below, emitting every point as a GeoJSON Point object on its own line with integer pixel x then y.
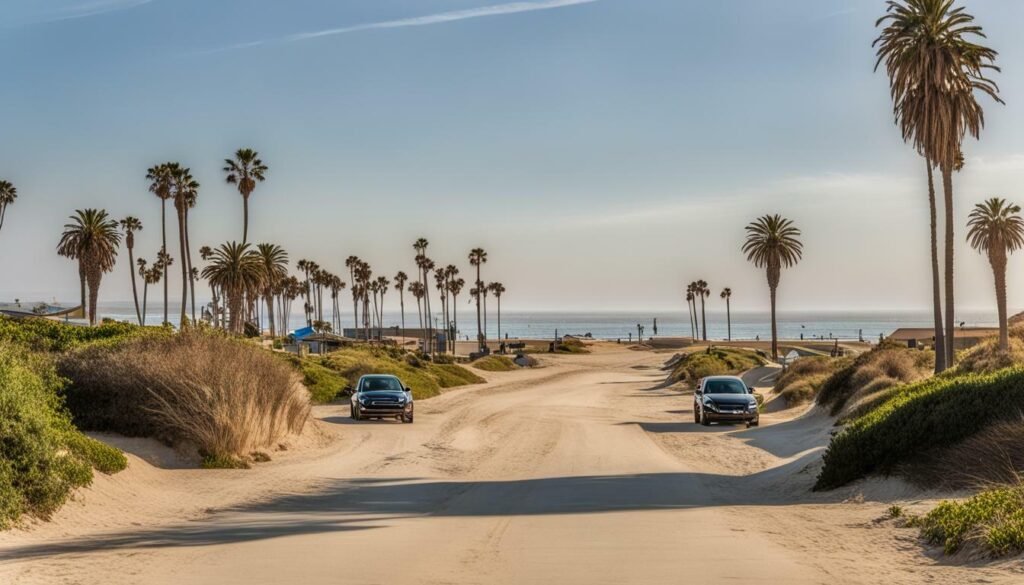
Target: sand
{"type": "Point", "coordinates": [585, 471]}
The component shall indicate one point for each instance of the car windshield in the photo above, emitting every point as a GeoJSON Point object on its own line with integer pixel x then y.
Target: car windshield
{"type": "Point", "coordinates": [381, 385]}
{"type": "Point", "coordinates": [724, 387]}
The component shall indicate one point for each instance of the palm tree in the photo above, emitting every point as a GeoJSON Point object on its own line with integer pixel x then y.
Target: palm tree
{"type": "Point", "coordinates": [130, 225]}
{"type": "Point", "coordinates": [455, 286]}
{"type": "Point", "coordinates": [382, 289]}
{"type": "Point", "coordinates": [727, 294]}
{"type": "Point", "coordinates": [149, 276]}
{"type": "Point", "coordinates": [274, 261]}
{"type": "Point", "coordinates": [245, 171]}
{"type": "Point", "coordinates": [186, 190]}
{"type": "Point", "coordinates": [498, 289]}
{"type": "Point", "coordinates": [690, 298]}
{"type": "Point", "coordinates": [416, 288]}
{"type": "Point", "coordinates": [773, 243]}
{"type": "Point", "coordinates": [934, 70]}
{"type": "Point", "coordinates": [8, 193]}
{"type": "Point", "coordinates": [478, 256]}
{"type": "Point", "coordinates": [400, 279]}
{"type": "Point", "coordinates": [161, 180]}
{"type": "Point", "coordinates": [703, 292]}
{"type": "Point", "coordinates": [996, 229]}
{"type": "Point", "coordinates": [92, 239]}
{"type": "Point", "coordinates": [352, 262]}
{"type": "Point", "coordinates": [236, 270]}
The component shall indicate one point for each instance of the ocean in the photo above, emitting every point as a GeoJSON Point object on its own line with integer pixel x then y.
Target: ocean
{"type": "Point", "coordinates": [827, 324]}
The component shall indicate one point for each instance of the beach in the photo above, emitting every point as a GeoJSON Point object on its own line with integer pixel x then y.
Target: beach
{"type": "Point", "coordinates": [586, 470]}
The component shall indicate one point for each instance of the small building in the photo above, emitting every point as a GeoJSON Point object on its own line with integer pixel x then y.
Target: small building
{"type": "Point", "coordinates": [964, 337]}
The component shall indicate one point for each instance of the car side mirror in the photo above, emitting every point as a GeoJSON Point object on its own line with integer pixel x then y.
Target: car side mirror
{"type": "Point", "coordinates": [408, 389]}
{"type": "Point", "coordinates": [750, 389]}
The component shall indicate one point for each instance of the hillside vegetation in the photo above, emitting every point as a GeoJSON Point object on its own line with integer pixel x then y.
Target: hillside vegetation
{"type": "Point", "coordinates": [936, 413]}
{"type": "Point", "coordinates": [495, 363]}
{"type": "Point", "coordinates": [713, 361]}
{"type": "Point", "coordinates": [872, 377]}
{"type": "Point", "coordinates": [804, 378]}
{"type": "Point", "coordinates": [43, 457]}
{"type": "Point", "coordinates": [426, 378]}
{"type": "Point", "coordinates": [990, 524]}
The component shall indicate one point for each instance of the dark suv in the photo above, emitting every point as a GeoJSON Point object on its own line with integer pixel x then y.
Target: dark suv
{"type": "Point", "coordinates": [380, 396]}
{"type": "Point", "coordinates": [725, 399]}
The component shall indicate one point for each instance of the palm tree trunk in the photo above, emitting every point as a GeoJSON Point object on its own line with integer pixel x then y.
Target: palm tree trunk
{"type": "Point", "coordinates": [94, 276]}
{"type": "Point", "coordinates": [479, 329]}
{"type": "Point", "coordinates": [689, 316]}
{"type": "Point", "coordinates": [188, 258]}
{"type": "Point", "coordinates": [145, 292]}
{"type": "Point", "coordinates": [163, 232]}
{"type": "Point", "coordinates": [940, 335]}
{"type": "Point", "coordinates": [185, 276]}
{"type": "Point", "coordinates": [270, 313]}
{"type": "Point", "coordinates": [455, 320]}
{"type": "Point", "coordinates": [947, 187]}
{"type": "Point", "coordinates": [728, 318]}
{"type": "Point", "coordinates": [401, 300]}
{"type": "Point", "coordinates": [998, 260]}
{"type": "Point", "coordinates": [81, 278]}
{"type": "Point", "coordinates": [703, 320]}
{"type": "Point", "coordinates": [499, 321]}
{"type": "Point", "coordinates": [245, 218]}
{"type": "Point", "coordinates": [135, 290]}
{"type": "Point", "coordinates": [775, 331]}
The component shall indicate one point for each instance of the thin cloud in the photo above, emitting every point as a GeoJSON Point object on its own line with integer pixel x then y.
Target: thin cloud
{"type": "Point", "coordinates": [439, 18]}
{"type": "Point", "coordinates": [85, 10]}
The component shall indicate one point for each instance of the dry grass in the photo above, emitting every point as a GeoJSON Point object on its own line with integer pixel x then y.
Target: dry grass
{"type": "Point", "coordinates": [987, 357]}
{"type": "Point", "coordinates": [995, 456]}
{"type": "Point", "coordinates": [224, 396]}
{"type": "Point", "coordinates": [805, 377]}
{"type": "Point", "coordinates": [871, 377]}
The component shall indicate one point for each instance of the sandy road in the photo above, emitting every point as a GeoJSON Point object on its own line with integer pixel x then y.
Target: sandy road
{"type": "Point", "coordinates": [581, 472]}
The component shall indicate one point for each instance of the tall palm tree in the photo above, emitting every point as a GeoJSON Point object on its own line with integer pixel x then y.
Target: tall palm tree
{"type": "Point", "coordinates": [773, 243]}
{"type": "Point", "coordinates": [91, 238]}
{"type": "Point", "coordinates": [8, 193]}
{"type": "Point", "coordinates": [185, 190]}
{"type": "Point", "coordinates": [161, 181]}
{"type": "Point", "coordinates": [497, 289]}
{"type": "Point", "coordinates": [245, 171]}
{"type": "Point", "coordinates": [934, 70]}
{"type": "Point", "coordinates": [689, 308]}
{"type": "Point", "coordinates": [703, 292]}
{"type": "Point", "coordinates": [996, 229]}
{"type": "Point", "coordinates": [455, 287]}
{"type": "Point", "coordinates": [151, 275]}
{"type": "Point", "coordinates": [352, 262]}
{"type": "Point", "coordinates": [274, 262]}
{"type": "Point", "coordinates": [416, 289]}
{"type": "Point", "coordinates": [478, 257]}
{"type": "Point", "coordinates": [727, 294]}
{"type": "Point", "coordinates": [130, 225]}
{"type": "Point", "coordinates": [400, 279]}
{"type": "Point", "coordinates": [383, 284]}
{"type": "Point", "coordinates": [236, 270]}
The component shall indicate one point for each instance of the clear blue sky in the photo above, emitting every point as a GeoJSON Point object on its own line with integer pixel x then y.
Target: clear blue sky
{"type": "Point", "coordinates": [604, 153]}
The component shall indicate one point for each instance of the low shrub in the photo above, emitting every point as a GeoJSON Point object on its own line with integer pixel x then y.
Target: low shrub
{"type": "Point", "coordinates": [989, 524]}
{"type": "Point", "coordinates": [936, 413]}
{"type": "Point", "coordinates": [713, 362]}
{"type": "Point", "coordinates": [50, 335]}
{"type": "Point", "coordinates": [804, 378]}
{"type": "Point", "coordinates": [870, 372]}
{"type": "Point", "coordinates": [571, 345]}
{"type": "Point", "coordinates": [424, 377]}
{"type": "Point", "coordinates": [992, 456]}
{"type": "Point", "coordinates": [42, 456]}
{"type": "Point", "coordinates": [987, 357]}
{"type": "Point", "coordinates": [224, 396]}
{"type": "Point", "coordinates": [495, 363]}
{"type": "Point", "coordinates": [323, 383]}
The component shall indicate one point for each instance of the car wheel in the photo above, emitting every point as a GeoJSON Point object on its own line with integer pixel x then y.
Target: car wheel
{"type": "Point", "coordinates": [704, 420]}
{"type": "Point", "coordinates": [355, 413]}
{"type": "Point", "coordinates": [755, 423]}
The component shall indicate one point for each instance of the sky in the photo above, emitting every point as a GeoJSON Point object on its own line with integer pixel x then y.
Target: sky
{"type": "Point", "coordinates": [604, 152]}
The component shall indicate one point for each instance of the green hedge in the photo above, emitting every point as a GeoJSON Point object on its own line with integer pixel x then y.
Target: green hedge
{"type": "Point", "coordinates": [935, 413]}
{"type": "Point", "coordinates": [49, 335]}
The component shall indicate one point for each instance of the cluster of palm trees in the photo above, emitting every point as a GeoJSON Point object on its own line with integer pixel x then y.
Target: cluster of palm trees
{"type": "Point", "coordinates": [936, 70]}
{"type": "Point", "coordinates": [699, 290]}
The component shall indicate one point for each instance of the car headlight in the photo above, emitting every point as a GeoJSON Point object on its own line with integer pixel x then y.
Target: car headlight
{"type": "Point", "coordinates": [710, 406]}
{"type": "Point", "coordinates": [752, 407]}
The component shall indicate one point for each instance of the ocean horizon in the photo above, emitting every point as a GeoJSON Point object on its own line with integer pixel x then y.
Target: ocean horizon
{"type": "Point", "coordinates": [541, 324]}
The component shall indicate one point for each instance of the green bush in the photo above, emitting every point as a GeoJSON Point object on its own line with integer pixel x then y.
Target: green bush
{"type": "Point", "coordinates": [992, 522]}
{"type": "Point", "coordinates": [424, 377]}
{"type": "Point", "coordinates": [804, 378]}
{"type": "Point", "coordinates": [42, 456]}
{"type": "Point", "coordinates": [714, 361]}
{"type": "Point", "coordinates": [49, 335]}
{"type": "Point", "coordinates": [323, 383]}
{"type": "Point", "coordinates": [938, 412]}
{"type": "Point", "coordinates": [571, 345]}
